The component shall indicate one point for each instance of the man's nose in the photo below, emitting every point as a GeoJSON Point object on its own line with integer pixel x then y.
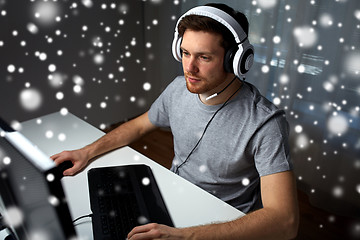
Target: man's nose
{"type": "Point", "coordinates": [190, 65]}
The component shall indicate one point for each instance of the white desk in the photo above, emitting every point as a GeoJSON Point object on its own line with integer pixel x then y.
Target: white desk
{"type": "Point", "coordinates": [188, 204]}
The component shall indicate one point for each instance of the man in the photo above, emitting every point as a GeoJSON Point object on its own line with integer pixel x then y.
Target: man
{"type": "Point", "coordinates": [228, 139]}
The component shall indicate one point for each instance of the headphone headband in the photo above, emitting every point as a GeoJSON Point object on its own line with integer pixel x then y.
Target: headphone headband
{"type": "Point", "coordinates": [228, 21]}
{"type": "Point", "coordinates": [238, 59]}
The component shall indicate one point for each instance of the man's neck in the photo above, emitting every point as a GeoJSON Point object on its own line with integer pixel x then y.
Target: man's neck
{"type": "Point", "coordinates": [221, 93]}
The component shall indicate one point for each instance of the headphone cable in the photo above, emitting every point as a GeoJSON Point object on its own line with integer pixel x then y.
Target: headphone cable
{"type": "Point", "coordinates": [218, 93]}
{"type": "Point", "coordinates": [207, 125]}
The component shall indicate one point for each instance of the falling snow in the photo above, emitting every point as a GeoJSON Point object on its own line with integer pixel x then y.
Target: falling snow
{"type": "Point", "coordinates": [145, 181]}
{"type": "Point", "coordinates": [59, 57]}
{"type": "Point", "coordinates": [31, 99]}
{"type": "Point", "coordinates": [305, 36]}
{"type": "Point", "coordinates": [13, 216]}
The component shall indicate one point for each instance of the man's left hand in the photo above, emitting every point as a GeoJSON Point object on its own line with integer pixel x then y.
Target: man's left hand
{"type": "Point", "coordinates": [153, 231]}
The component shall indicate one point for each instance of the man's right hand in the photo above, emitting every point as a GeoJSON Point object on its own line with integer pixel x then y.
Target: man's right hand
{"type": "Point", "coordinates": [79, 159]}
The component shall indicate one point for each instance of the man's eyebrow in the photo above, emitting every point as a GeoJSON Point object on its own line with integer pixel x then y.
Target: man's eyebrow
{"type": "Point", "coordinates": [183, 49]}
{"type": "Point", "coordinates": [197, 53]}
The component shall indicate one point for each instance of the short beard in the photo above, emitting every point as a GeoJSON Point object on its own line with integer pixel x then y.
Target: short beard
{"type": "Point", "coordinates": [193, 89]}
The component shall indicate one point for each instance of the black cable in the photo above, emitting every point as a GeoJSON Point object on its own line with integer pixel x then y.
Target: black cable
{"type": "Point", "coordinates": [84, 216]}
{"type": "Point", "coordinates": [216, 94]}
{"type": "Point", "coordinates": [2, 223]}
{"type": "Point", "coordinates": [207, 125]}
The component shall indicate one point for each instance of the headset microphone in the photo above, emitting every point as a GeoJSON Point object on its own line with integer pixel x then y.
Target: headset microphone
{"type": "Point", "coordinates": [217, 94]}
{"type": "Point", "coordinates": [211, 96]}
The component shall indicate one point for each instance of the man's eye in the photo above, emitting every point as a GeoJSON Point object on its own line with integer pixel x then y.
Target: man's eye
{"type": "Point", "coordinates": [184, 53]}
{"type": "Point", "coordinates": [205, 58]}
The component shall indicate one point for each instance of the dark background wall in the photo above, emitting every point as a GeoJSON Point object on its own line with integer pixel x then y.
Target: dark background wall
{"type": "Point", "coordinates": [107, 61]}
{"type": "Point", "coordinates": [104, 61]}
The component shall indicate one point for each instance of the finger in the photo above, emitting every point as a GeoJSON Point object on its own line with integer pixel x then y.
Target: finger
{"type": "Point", "coordinates": [140, 232]}
{"type": "Point", "coordinates": [69, 172]}
{"type": "Point", "coordinates": [59, 160]}
{"type": "Point", "coordinates": [62, 157]}
{"type": "Point", "coordinates": [58, 155]}
{"type": "Point", "coordinates": [72, 171]}
{"type": "Point", "coordinates": [136, 230]}
{"type": "Point", "coordinates": [53, 157]}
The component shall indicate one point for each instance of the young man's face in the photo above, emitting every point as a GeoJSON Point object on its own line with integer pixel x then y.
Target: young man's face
{"type": "Point", "coordinates": [202, 60]}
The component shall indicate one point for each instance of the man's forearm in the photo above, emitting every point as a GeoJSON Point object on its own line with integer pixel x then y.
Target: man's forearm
{"type": "Point", "coordinates": [115, 139]}
{"type": "Point", "coordinates": [261, 224]}
{"type": "Point", "coordinates": [121, 136]}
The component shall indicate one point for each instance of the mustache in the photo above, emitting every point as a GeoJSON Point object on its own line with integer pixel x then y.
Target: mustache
{"type": "Point", "coordinates": [187, 74]}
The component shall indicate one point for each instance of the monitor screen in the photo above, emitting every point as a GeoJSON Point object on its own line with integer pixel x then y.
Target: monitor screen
{"type": "Point", "coordinates": [32, 200]}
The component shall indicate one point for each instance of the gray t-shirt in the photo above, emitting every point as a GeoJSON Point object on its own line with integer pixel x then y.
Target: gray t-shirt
{"type": "Point", "coordinates": [247, 139]}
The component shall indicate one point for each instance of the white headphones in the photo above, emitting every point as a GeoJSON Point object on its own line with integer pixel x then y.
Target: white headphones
{"type": "Point", "coordinates": [238, 59]}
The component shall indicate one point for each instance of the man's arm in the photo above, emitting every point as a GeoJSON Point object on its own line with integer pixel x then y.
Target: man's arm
{"type": "Point", "coordinates": [278, 219]}
{"type": "Point", "coordinates": [119, 137]}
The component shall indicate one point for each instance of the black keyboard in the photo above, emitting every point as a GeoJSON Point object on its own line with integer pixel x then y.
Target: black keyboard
{"type": "Point", "coordinates": [118, 208]}
{"type": "Point", "coordinates": [119, 212]}
{"type": "Point", "coordinates": [120, 201]}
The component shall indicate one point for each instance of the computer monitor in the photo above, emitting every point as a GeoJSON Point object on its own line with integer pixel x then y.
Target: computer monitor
{"type": "Point", "coordinates": [32, 200]}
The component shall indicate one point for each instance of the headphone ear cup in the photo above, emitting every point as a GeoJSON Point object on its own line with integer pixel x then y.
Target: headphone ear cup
{"type": "Point", "coordinates": [247, 60]}
{"type": "Point", "coordinates": [229, 58]}
{"type": "Point", "coordinates": [243, 59]}
{"type": "Point", "coordinates": [176, 51]}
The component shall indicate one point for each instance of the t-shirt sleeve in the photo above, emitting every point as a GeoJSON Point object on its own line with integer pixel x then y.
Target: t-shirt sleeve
{"type": "Point", "coordinates": [271, 151]}
{"type": "Point", "coordinates": [159, 110]}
